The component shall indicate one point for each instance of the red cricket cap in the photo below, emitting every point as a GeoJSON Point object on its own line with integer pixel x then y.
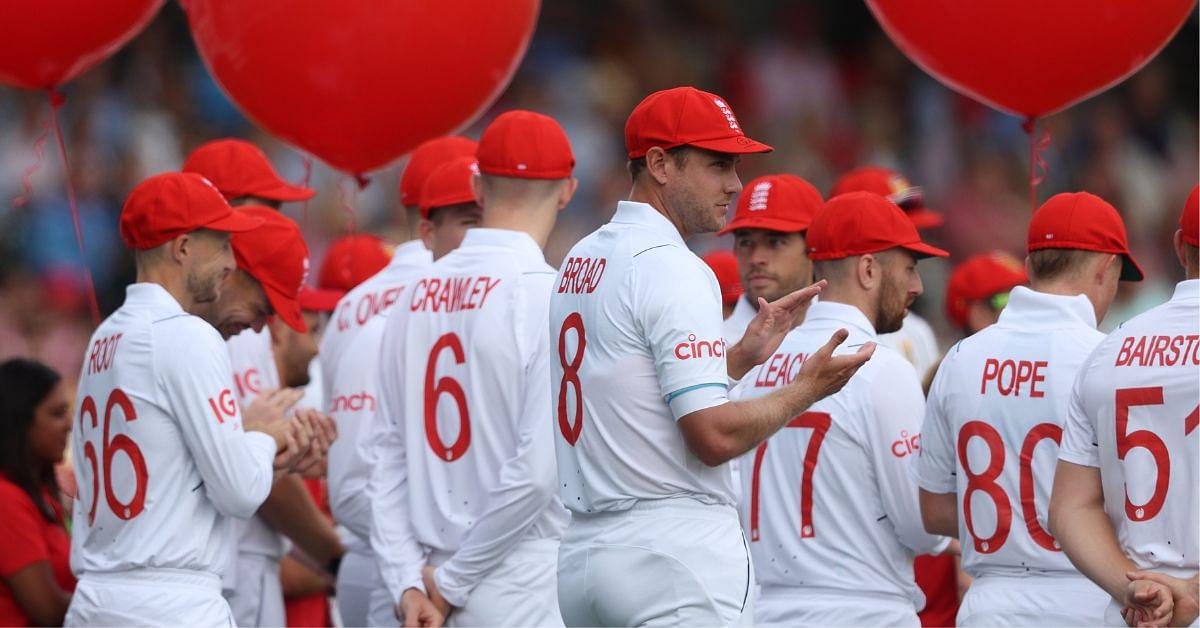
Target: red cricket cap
{"type": "Point", "coordinates": [171, 204]}
{"type": "Point", "coordinates": [525, 145]}
{"type": "Point", "coordinates": [426, 158]}
{"type": "Point", "coordinates": [275, 255]}
{"type": "Point", "coordinates": [892, 186]}
{"type": "Point", "coordinates": [980, 277]}
{"type": "Point", "coordinates": [449, 184]}
{"type": "Point", "coordinates": [1189, 221]}
{"type": "Point", "coordinates": [724, 266]}
{"type": "Point", "coordinates": [318, 299]}
{"type": "Point", "coordinates": [858, 223]}
{"type": "Point", "coordinates": [1079, 220]}
{"type": "Point", "coordinates": [686, 115]}
{"type": "Point", "coordinates": [777, 202]}
{"type": "Point", "coordinates": [351, 260]}
{"type": "Point", "coordinates": [239, 168]}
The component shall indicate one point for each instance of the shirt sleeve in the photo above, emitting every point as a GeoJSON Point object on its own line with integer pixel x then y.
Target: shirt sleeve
{"type": "Point", "coordinates": [936, 464]}
{"type": "Point", "coordinates": [194, 381]}
{"type": "Point", "coordinates": [400, 556]}
{"type": "Point", "coordinates": [21, 525]}
{"type": "Point", "coordinates": [679, 313]}
{"type": "Point", "coordinates": [526, 486]}
{"type": "Point", "coordinates": [898, 411]}
{"type": "Point", "coordinates": [1079, 444]}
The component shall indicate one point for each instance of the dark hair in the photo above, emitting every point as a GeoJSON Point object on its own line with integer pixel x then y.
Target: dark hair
{"type": "Point", "coordinates": [638, 166]}
{"type": "Point", "coordinates": [23, 385]}
{"type": "Point", "coordinates": [1048, 264]}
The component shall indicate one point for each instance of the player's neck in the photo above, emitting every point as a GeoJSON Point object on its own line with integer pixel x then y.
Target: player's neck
{"type": "Point", "coordinates": [173, 282]}
{"type": "Point", "coordinates": [1071, 288]}
{"type": "Point", "coordinates": [857, 299]}
{"type": "Point", "coordinates": [651, 197]}
{"type": "Point", "coordinates": [537, 222]}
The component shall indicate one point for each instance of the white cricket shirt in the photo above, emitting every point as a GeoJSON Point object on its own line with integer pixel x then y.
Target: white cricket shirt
{"type": "Point", "coordinates": [464, 462]}
{"type": "Point", "coordinates": [161, 461]}
{"type": "Point", "coordinates": [828, 500]}
{"type": "Point", "coordinates": [735, 326]}
{"type": "Point", "coordinates": [1134, 413]}
{"type": "Point", "coordinates": [916, 342]}
{"type": "Point", "coordinates": [635, 328]}
{"type": "Point", "coordinates": [992, 428]}
{"type": "Point", "coordinates": [350, 373]}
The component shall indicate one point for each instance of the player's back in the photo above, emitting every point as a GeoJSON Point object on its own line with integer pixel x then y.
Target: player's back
{"type": "Point", "coordinates": [612, 326]}
{"type": "Point", "coordinates": [466, 336]}
{"type": "Point", "coordinates": [996, 412]}
{"type": "Point", "coordinates": [349, 357]}
{"type": "Point", "coordinates": [828, 505]}
{"type": "Point", "coordinates": [1139, 393]}
{"type": "Point", "coordinates": [151, 373]}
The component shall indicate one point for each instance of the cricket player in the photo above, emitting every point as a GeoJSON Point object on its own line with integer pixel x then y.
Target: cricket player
{"type": "Point", "coordinates": [643, 424]}
{"type": "Point", "coordinates": [350, 361]}
{"type": "Point", "coordinates": [828, 504]}
{"type": "Point", "coordinates": [163, 460]}
{"type": "Point", "coordinates": [1125, 506]}
{"type": "Point", "coordinates": [915, 340]}
{"type": "Point", "coordinates": [465, 469]}
{"type": "Point", "coordinates": [243, 174]}
{"type": "Point", "coordinates": [979, 288]}
{"type": "Point", "coordinates": [996, 414]}
{"type": "Point", "coordinates": [773, 212]}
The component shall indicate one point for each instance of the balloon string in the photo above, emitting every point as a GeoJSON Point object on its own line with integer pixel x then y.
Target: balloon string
{"type": "Point", "coordinates": [39, 151]}
{"type": "Point", "coordinates": [1037, 163]}
{"type": "Point", "coordinates": [348, 205]}
{"type": "Point", "coordinates": [307, 180]}
{"type": "Point", "coordinates": [56, 103]}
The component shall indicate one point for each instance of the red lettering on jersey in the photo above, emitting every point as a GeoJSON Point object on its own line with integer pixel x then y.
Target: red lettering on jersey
{"type": "Point", "coordinates": [1159, 351]}
{"type": "Point", "coordinates": [247, 383]}
{"type": "Point", "coordinates": [693, 348]}
{"type": "Point", "coordinates": [779, 369]}
{"type": "Point", "coordinates": [102, 354]}
{"type": "Point", "coordinates": [906, 445]}
{"type": "Point", "coordinates": [223, 406]}
{"type": "Point", "coordinates": [354, 403]}
{"type": "Point", "coordinates": [1008, 375]}
{"type": "Point", "coordinates": [452, 294]}
{"type": "Point", "coordinates": [581, 275]}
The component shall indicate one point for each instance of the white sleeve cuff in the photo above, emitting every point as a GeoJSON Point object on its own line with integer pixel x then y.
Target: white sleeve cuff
{"type": "Point", "coordinates": [697, 397]}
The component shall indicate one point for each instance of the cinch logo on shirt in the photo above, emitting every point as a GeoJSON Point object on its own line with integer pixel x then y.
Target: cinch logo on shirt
{"type": "Point", "coordinates": [758, 196]}
{"type": "Point", "coordinates": [1008, 375]}
{"type": "Point", "coordinates": [102, 353]}
{"type": "Point", "coordinates": [779, 369]}
{"type": "Point", "coordinates": [1159, 351]}
{"type": "Point", "coordinates": [728, 113]}
{"type": "Point", "coordinates": [582, 274]}
{"type": "Point", "coordinates": [368, 306]}
{"type": "Point", "coordinates": [697, 349]}
{"type": "Point", "coordinates": [906, 445]}
{"type": "Point", "coordinates": [354, 403]}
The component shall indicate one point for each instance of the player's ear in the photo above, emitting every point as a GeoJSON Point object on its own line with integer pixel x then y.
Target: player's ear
{"type": "Point", "coordinates": [867, 269]}
{"type": "Point", "coordinates": [425, 232]}
{"type": "Point", "coordinates": [179, 248]}
{"type": "Point", "coordinates": [477, 189]}
{"type": "Point", "coordinates": [656, 164]}
{"type": "Point", "coordinates": [567, 192]}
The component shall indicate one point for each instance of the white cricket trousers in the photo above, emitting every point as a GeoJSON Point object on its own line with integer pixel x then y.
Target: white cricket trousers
{"type": "Point", "coordinates": [357, 579]}
{"type": "Point", "coordinates": [257, 599]}
{"type": "Point", "coordinates": [816, 606]}
{"type": "Point", "coordinates": [1033, 600]}
{"type": "Point", "coordinates": [149, 597]}
{"type": "Point", "coordinates": [668, 562]}
{"type": "Point", "coordinates": [521, 591]}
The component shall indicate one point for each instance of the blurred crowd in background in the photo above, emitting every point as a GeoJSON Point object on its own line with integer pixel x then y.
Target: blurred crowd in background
{"type": "Point", "coordinates": [817, 79]}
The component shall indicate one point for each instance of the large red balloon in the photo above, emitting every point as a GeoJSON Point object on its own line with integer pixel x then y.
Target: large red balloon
{"type": "Point", "coordinates": [45, 43]}
{"type": "Point", "coordinates": [1031, 57]}
{"type": "Point", "coordinates": [359, 83]}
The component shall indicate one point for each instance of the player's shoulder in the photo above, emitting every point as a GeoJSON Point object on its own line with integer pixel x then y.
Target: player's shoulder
{"type": "Point", "coordinates": [184, 339]}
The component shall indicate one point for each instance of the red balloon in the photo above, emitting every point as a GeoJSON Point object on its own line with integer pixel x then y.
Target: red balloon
{"type": "Point", "coordinates": [45, 43]}
{"type": "Point", "coordinates": [359, 83]}
{"type": "Point", "coordinates": [1031, 57]}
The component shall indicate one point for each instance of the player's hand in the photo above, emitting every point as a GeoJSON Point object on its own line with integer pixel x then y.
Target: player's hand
{"type": "Point", "coordinates": [298, 439]}
{"type": "Point", "coordinates": [435, 596]}
{"type": "Point", "coordinates": [764, 333]}
{"type": "Point", "coordinates": [1148, 603]}
{"type": "Point", "coordinates": [417, 611]}
{"type": "Point", "coordinates": [824, 373]}
{"type": "Point", "coordinates": [323, 432]}
{"type": "Point", "coordinates": [266, 413]}
{"type": "Point", "coordinates": [1184, 593]}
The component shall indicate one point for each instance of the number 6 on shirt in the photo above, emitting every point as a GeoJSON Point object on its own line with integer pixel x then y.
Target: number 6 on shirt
{"type": "Point", "coordinates": [109, 448]}
{"type": "Point", "coordinates": [450, 386]}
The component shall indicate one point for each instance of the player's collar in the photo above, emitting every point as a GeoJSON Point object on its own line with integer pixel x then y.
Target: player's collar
{"type": "Point", "coordinates": [841, 314]}
{"type": "Point", "coordinates": [633, 212]}
{"type": "Point", "coordinates": [1187, 290]}
{"type": "Point", "coordinates": [1029, 309]}
{"type": "Point", "coordinates": [408, 252]}
{"type": "Point", "coordinates": [502, 238]}
{"type": "Point", "coordinates": [153, 295]}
